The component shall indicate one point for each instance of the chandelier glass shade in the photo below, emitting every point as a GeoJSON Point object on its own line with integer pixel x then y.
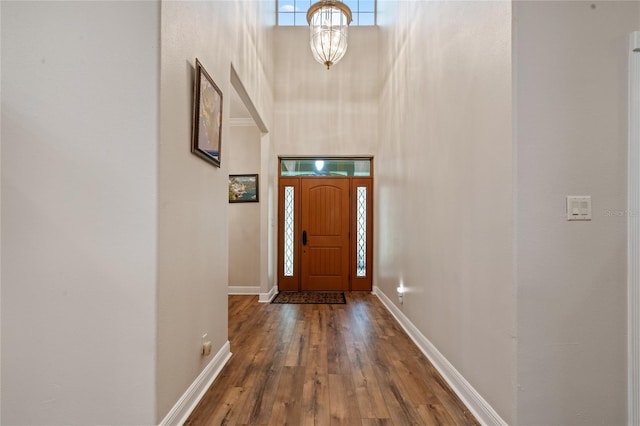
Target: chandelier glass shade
{"type": "Point", "coordinates": [328, 24]}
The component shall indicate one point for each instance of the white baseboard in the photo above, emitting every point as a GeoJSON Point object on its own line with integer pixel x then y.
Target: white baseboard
{"type": "Point", "coordinates": [480, 408]}
{"type": "Point", "coordinates": [185, 405]}
{"type": "Point", "coordinates": [236, 289]}
{"type": "Point", "coordinates": [267, 297]}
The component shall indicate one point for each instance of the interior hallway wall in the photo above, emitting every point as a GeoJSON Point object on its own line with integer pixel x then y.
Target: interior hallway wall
{"type": "Point", "coordinates": [268, 216]}
{"type": "Point", "coordinates": [444, 183]}
{"type": "Point", "coordinates": [193, 238]}
{"type": "Point", "coordinates": [571, 135]}
{"type": "Point", "coordinates": [320, 111]}
{"type": "Point", "coordinates": [79, 200]}
{"type": "Point", "coordinates": [243, 153]}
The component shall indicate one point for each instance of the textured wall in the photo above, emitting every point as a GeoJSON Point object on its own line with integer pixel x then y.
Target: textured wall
{"type": "Point", "coordinates": [193, 232]}
{"type": "Point", "coordinates": [571, 103]}
{"type": "Point", "coordinates": [79, 198]}
{"type": "Point", "coordinates": [320, 111]}
{"type": "Point", "coordinates": [243, 154]}
{"type": "Point", "coordinates": [444, 183]}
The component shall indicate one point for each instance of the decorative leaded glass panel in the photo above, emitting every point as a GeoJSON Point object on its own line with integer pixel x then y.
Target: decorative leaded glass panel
{"type": "Point", "coordinates": [288, 231]}
{"type": "Point", "coordinates": [361, 231]}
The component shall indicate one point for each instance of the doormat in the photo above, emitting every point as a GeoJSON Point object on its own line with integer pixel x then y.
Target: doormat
{"type": "Point", "coordinates": [317, 297]}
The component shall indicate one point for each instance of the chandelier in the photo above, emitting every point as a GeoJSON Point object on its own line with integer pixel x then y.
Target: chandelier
{"type": "Point", "coordinates": [328, 23]}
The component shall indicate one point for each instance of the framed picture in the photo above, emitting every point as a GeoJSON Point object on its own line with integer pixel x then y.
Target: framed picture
{"type": "Point", "coordinates": [243, 189]}
{"type": "Point", "coordinates": [207, 117]}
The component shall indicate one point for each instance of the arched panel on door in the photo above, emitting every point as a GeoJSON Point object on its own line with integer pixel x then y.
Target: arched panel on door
{"type": "Point", "coordinates": [325, 229]}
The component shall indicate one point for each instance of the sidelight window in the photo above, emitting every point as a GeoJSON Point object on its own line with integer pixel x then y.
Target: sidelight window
{"type": "Point", "coordinates": [361, 231]}
{"type": "Point", "coordinates": [288, 231]}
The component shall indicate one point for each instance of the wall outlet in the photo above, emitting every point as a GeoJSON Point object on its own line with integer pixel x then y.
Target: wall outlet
{"type": "Point", "coordinates": [206, 345]}
{"type": "Point", "coordinates": [206, 348]}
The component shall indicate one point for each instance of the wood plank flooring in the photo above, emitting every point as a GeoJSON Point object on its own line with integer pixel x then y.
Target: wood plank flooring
{"type": "Point", "coordinates": [325, 365]}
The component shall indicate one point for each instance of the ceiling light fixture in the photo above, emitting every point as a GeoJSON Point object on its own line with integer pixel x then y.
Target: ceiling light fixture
{"type": "Point", "coordinates": [328, 23]}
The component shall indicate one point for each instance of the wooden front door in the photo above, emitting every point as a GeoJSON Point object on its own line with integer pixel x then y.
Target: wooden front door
{"type": "Point", "coordinates": [324, 225]}
{"type": "Point", "coordinates": [325, 233]}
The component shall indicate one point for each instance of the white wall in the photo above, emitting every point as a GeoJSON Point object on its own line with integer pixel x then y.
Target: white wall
{"type": "Point", "coordinates": [243, 152]}
{"type": "Point", "coordinates": [268, 216]}
{"type": "Point", "coordinates": [571, 103]}
{"type": "Point", "coordinates": [79, 146]}
{"type": "Point", "coordinates": [320, 111]}
{"type": "Point", "coordinates": [444, 183]}
{"type": "Point", "coordinates": [243, 110]}
{"type": "Point", "coordinates": [193, 195]}
{"type": "Point", "coordinates": [126, 232]}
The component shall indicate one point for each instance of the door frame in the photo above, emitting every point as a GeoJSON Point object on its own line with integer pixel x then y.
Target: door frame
{"type": "Point", "coordinates": [293, 282]}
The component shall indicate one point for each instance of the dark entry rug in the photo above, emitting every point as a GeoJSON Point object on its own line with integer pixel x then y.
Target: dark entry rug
{"type": "Point", "coordinates": [300, 297]}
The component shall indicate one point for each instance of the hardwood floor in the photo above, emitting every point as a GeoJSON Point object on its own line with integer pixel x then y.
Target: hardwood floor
{"type": "Point", "coordinates": [325, 365]}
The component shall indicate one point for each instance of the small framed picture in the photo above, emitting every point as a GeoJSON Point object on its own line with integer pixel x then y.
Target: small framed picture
{"type": "Point", "coordinates": [207, 117]}
{"type": "Point", "coordinates": [243, 189]}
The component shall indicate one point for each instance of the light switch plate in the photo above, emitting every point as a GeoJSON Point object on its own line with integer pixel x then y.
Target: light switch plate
{"type": "Point", "coordinates": [578, 207]}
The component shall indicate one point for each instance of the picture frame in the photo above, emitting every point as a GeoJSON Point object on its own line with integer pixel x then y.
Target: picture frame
{"type": "Point", "coordinates": [206, 141]}
{"type": "Point", "coordinates": [244, 188]}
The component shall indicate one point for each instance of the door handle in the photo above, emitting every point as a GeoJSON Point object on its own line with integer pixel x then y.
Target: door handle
{"type": "Point", "coordinates": [304, 238]}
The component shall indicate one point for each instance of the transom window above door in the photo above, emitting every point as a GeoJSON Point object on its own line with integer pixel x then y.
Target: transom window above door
{"type": "Point", "coordinates": [320, 166]}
